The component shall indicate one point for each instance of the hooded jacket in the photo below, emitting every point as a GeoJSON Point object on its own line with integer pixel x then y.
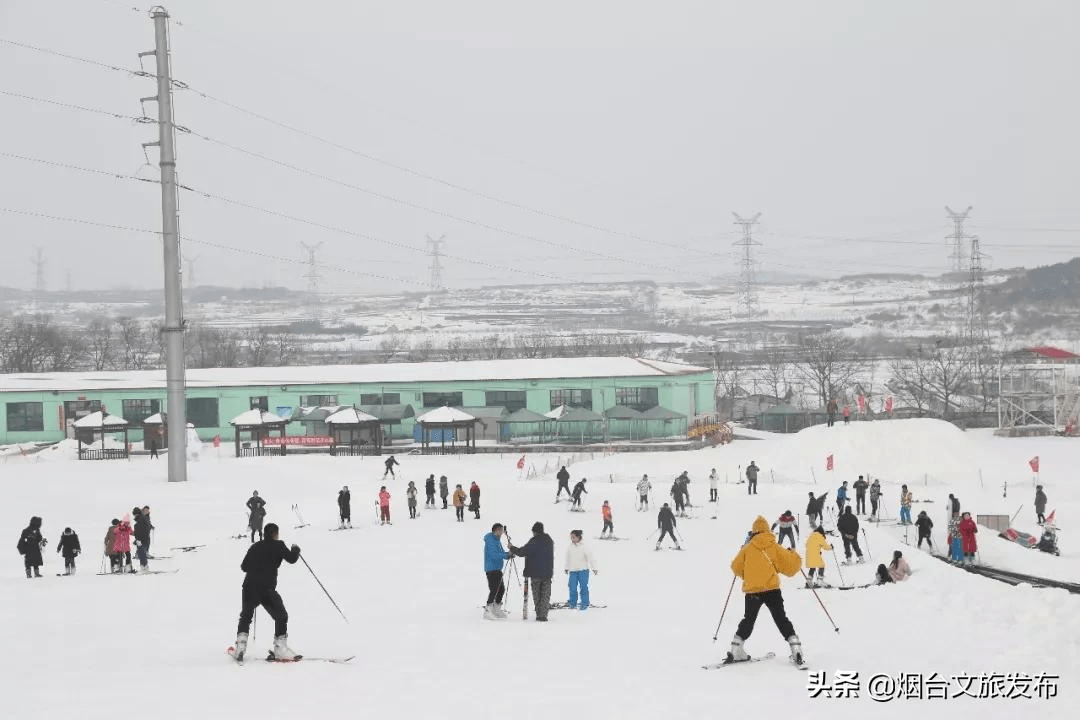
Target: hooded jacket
{"type": "Point", "coordinates": [1040, 501]}
{"type": "Point", "coordinates": [665, 518]}
{"type": "Point", "coordinates": [143, 526]}
{"type": "Point", "coordinates": [848, 524]}
{"type": "Point", "coordinates": [344, 497]}
{"type": "Point", "coordinates": [30, 542]}
{"type": "Point", "coordinates": [384, 498]}
{"type": "Point", "coordinates": [69, 545]}
{"type": "Point", "coordinates": [122, 538]}
{"type": "Point", "coordinates": [814, 545]}
{"type": "Point", "coordinates": [924, 523]}
{"type": "Point", "coordinates": [539, 554]}
{"type": "Point", "coordinates": [494, 555]}
{"type": "Point", "coordinates": [760, 560]}
{"type": "Point", "coordinates": [579, 557]}
{"type": "Point", "coordinates": [563, 476]}
{"type": "Point", "coordinates": [967, 530]}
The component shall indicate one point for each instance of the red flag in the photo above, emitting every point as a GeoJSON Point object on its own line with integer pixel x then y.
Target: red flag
{"type": "Point", "coordinates": [1050, 518]}
{"type": "Point", "coordinates": [862, 403]}
{"type": "Point", "coordinates": [521, 463]}
{"type": "Point", "coordinates": [828, 463]}
{"type": "Point", "coordinates": [217, 441]}
{"type": "Point", "coordinates": [1034, 463]}
{"type": "Point", "coordinates": [888, 404]}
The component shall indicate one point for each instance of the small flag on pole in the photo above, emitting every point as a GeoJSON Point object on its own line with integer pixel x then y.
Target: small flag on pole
{"type": "Point", "coordinates": [1034, 463]}
{"type": "Point", "coordinates": [521, 463]}
{"type": "Point", "coordinates": [1050, 518]}
{"type": "Point", "coordinates": [829, 463]}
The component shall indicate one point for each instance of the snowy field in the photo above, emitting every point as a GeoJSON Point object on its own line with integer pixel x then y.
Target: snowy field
{"type": "Point", "coordinates": [92, 647]}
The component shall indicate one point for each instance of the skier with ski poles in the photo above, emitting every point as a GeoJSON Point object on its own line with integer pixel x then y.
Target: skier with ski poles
{"type": "Point", "coordinates": [260, 566]}
{"type": "Point", "coordinates": [389, 465]}
{"type": "Point", "coordinates": [815, 543]}
{"type": "Point", "coordinates": [578, 490]}
{"type": "Point", "coordinates": [539, 554]}
{"type": "Point", "coordinates": [494, 557]}
{"type": "Point", "coordinates": [905, 505]}
{"type": "Point", "coordinates": [875, 497]}
{"type": "Point", "coordinates": [665, 521]}
{"type": "Point", "coordinates": [787, 525]}
{"type": "Point", "coordinates": [643, 489]}
{"type": "Point", "coordinates": [344, 500]}
{"type": "Point", "coordinates": [563, 476]}
{"type": "Point", "coordinates": [759, 563]}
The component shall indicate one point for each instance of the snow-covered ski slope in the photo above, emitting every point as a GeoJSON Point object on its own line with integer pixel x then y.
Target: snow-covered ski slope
{"type": "Point", "coordinates": [92, 647]}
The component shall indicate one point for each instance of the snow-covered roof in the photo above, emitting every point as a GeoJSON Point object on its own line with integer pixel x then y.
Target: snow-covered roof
{"type": "Point", "coordinates": [350, 416]}
{"type": "Point", "coordinates": [557, 412]}
{"type": "Point", "coordinates": [257, 417]}
{"type": "Point", "coordinates": [444, 415]}
{"type": "Point", "coordinates": [160, 418]}
{"type": "Point", "coordinates": [451, 371]}
{"type": "Point", "coordinates": [99, 419]}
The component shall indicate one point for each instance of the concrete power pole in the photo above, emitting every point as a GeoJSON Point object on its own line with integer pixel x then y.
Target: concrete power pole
{"type": "Point", "coordinates": [747, 277]}
{"type": "Point", "coordinates": [435, 284]}
{"type": "Point", "coordinates": [958, 237]}
{"type": "Point", "coordinates": [173, 328]}
{"type": "Point", "coordinates": [313, 278]}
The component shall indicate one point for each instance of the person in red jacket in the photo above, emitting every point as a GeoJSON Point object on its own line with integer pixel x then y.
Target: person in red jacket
{"type": "Point", "coordinates": [846, 412]}
{"type": "Point", "coordinates": [384, 506]}
{"type": "Point", "coordinates": [122, 544]}
{"type": "Point", "coordinates": [968, 545]}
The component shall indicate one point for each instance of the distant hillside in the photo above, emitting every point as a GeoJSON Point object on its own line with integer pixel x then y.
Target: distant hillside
{"type": "Point", "coordinates": [1052, 287]}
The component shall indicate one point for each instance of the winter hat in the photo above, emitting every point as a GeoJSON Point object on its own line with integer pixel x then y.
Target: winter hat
{"type": "Point", "coordinates": [811, 493]}
{"type": "Point", "coordinates": [538, 527]}
{"type": "Point", "coordinates": [787, 512]}
{"type": "Point", "coordinates": [68, 531]}
{"type": "Point", "coordinates": [760, 525]}
{"type": "Point", "coordinates": [135, 512]}
{"type": "Point", "coordinates": [1038, 487]}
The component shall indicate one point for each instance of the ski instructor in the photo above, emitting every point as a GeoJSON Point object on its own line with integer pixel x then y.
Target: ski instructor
{"type": "Point", "coordinates": [260, 588]}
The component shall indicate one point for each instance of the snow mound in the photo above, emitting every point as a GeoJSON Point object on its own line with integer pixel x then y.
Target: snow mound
{"type": "Point", "coordinates": [69, 449]}
{"type": "Point", "coordinates": [917, 451]}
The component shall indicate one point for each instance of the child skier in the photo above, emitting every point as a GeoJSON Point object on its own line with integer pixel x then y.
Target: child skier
{"type": "Point", "coordinates": [968, 545]}
{"type": "Point", "coordinates": [69, 547]}
{"type": "Point", "coordinates": [110, 545]}
{"type": "Point", "coordinates": [384, 506]}
{"type": "Point", "coordinates": [788, 527]}
{"type": "Point", "coordinates": [665, 521]}
{"type": "Point", "coordinates": [814, 558]}
{"type": "Point", "coordinates": [122, 544]}
{"type": "Point", "coordinates": [579, 561]}
{"type": "Point", "coordinates": [344, 500]}
{"type": "Point", "coordinates": [925, 525]}
{"type": "Point", "coordinates": [578, 489]}
{"type": "Point", "coordinates": [643, 488]}
{"type": "Point", "coordinates": [389, 465]}
{"type": "Point", "coordinates": [758, 564]}
{"type": "Point", "coordinates": [609, 527]}
{"type": "Point", "coordinates": [410, 495]}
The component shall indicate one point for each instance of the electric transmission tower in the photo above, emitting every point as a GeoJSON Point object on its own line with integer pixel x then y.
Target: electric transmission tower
{"type": "Point", "coordinates": [313, 276]}
{"type": "Point", "coordinates": [39, 272]}
{"type": "Point", "coordinates": [958, 238]}
{"type": "Point", "coordinates": [189, 263]}
{"type": "Point", "coordinates": [978, 331]}
{"type": "Point", "coordinates": [747, 276]}
{"type": "Point", "coordinates": [435, 251]}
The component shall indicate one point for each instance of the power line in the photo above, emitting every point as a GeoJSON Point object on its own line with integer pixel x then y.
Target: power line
{"type": "Point", "coordinates": [73, 106]}
{"type": "Point", "coordinates": [77, 58]}
{"type": "Point", "coordinates": [78, 168]}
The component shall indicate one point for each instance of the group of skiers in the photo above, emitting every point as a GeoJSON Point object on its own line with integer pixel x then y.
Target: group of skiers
{"type": "Point", "coordinates": [119, 537]}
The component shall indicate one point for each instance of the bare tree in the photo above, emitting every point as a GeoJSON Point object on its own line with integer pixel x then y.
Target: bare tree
{"type": "Point", "coordinates": [494, 347]}
{"type": "Point", "coordinates": [287, 349]}
{"type": "Point", "coordinates": [827, 362]}
{"type": "Point", "coordinates": [457, 349]}
{"type": "Point", "coordinates": [729, 374]}
{"type": "Point", "coordinates": [776, 372]}
{"type": "Point", "coordinates": [910, 382]}
{"type": "Point", "coordinates": [532, 345]}
{"type": "Point", "coordinates": [948, 371]}
{"type": "Point", "coordinates": [137, 344]}
{"type": "Point", "coordinates": [392, 344]}
{"type": "Point", "coordinates": [422, 350]}
{"type": "Point", "coordinates": [100, 344]}
{"type": "Point", "coordinates": [260, 346]}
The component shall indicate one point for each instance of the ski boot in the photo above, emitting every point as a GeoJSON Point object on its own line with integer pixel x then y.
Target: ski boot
{"type": "Point", "coordinates": [860, 561]}
{"type": "Point", "coordinates": [282, 651]}
{"type": "Point", "coordinates": [489, 611]}
{"type": "Point", "coordinates": [498, 612]}
{"type": "Point", "coordinates": [240, 647]}
{"type": "Point", "coordinates": [796, 650]}
{"type": "Point", "coordinates": [737, 653]}
{"type": "Point", "coordinates": [657, 547]}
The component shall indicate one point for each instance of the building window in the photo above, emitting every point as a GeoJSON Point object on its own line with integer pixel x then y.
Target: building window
{"type": "Point", "coordinates": [638, 398]}
{"type": "Point", "coordinates": [25, 416]}
{"type": "Point", "coordinates": [512, 400]}
{"type": "Point", "coordinates": [135, 411]}
{"type": "Point", "coordinates": [571, 398]}
{"type": "Point", "coordinates": [77, 409]}
{"type": "Point", "coordinates": [203, 412]}
{"type": "Point", "coordinates": [452, 399]}
{"type": "Point", "coordinates": [377, 399]}
{"type": "Point", "coordinates": [260, 402]}
{"type": "Point", "coordinates": [318, 400]}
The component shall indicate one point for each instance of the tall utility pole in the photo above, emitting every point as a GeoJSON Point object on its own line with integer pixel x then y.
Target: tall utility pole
{"type": "Point", "coordinates": [747, 276]}
{"type": "Point", "coordinates": [958, 238]}
{"type": "Point", "coordinates": [435, 284]}
{"type": "Point", "coordinates": [173, 328]}
{"type": "Point", "coordinates": [39, 272]}
{"type": "Point", "coordinates": [978, 330]}
{"type": "Point", "coordinates": [313, 277]}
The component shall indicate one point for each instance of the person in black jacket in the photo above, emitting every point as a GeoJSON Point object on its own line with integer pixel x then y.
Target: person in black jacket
{"type": "Point", "coordinates": [848, 525]}
{"type": "Point", "coordinates": [389, 464]}
{"type": "Point", "coordinates": [860, 495]}
{"type": "Point", "coordinates": [539, 554]}
{"type": "Point", "coordinates": [665, 521]}
{"type": "Point", "coordinates": [444, 490]}
{"type": "Point", "coordinates": [814, 508]}
{"type": "Point", "coordinates": [563, 476]}
{"type": "Point", "coordinates": [474, 499]}
{"type": "Point", "coordinates": [578, 489]}
{"type": "Point", "coordinates": [69, 548]}
{"type": "Point", "coordinates": [30, 544]}
{"type": "Point", "coordinates": [143, 526]}
{"type": "Point", "coordinates": [429, 491]}
{"type": "Point", "coordinates": [344, 498]}
{"type": "Point", "coordinates": [954, 506]}
{"type": "Point", "coordinates": [260, 588]}
{"type": "Point", "coordinates": [1040, 504]}
{"type": "Point", "coordinates": [925, 525]}
{"type": "Point", "coordinates": [256, 513]}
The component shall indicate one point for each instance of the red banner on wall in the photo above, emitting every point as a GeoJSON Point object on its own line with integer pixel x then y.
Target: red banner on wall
{"type": "Point", "coordinates": [298, 440]}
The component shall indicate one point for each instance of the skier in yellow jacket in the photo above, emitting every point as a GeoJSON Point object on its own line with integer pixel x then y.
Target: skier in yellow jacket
{"type": "Point", "coordinates": [814, 545]}
{"type": "Point", "coordinates": [759, 563]}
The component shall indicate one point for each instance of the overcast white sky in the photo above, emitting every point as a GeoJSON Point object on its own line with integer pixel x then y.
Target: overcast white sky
{"type": "Point", "coordinates": [848, 125]}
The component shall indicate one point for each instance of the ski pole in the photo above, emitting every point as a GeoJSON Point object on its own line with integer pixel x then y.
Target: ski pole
{"type": "Point", "coordinates": [864, 537]}
{"type": "Point", "coordinates": [1017, 513]}
{"type": "Point", "coordinates": [653, 533]}
{"type": "Point", "coordinates": [724, 611]}
{"type": "Point", "coordinates": [838, 570]}
{"type": "Point", "coordinates": [324, 589]}
{"type": "Point", "coordinates": [814, 590]}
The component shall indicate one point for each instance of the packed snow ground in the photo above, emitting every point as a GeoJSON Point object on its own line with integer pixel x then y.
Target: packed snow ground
{"type": "Point", "coordinates": [89, 646]}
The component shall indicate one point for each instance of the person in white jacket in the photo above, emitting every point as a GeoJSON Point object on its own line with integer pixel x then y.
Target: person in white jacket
{"type": "Point", "coordinates": [643, 488]}
{"type": "Point", "coordinates": [579, 561]}
{"type": "Point", "coordinates": [714, 480]}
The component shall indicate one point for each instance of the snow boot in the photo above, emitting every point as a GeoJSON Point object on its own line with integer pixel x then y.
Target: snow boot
{"type": "Point", "coordinates": [860, 561]}
{"type": "Point", "coordinates": [240, 647]}
{"type": "Point", "coordinates": [809, 583]}
{"type": "Point", "coordinates": [282, 651]}
{"type": "Point", "coordinates": [348, 523]}
{"type": "Point", "coordinates": [499, 613]}
{"type": "Point", "coordinates": [796, 649]}
{"type": "Point", "coordinates": [657, 547]}
{"type": "Point", "coordinates": [737, 653]}
{"type": "Point", "coordinates": [37, 571]}
{"type": "Point", "coordinates": [489, 611]}
{"type": "Point", "coordinates": [29, 573]}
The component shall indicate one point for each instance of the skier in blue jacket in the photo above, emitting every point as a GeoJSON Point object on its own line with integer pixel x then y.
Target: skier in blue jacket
{"type": "Point", "coordinates": [841, 498]}
{"type": "Point", "coordinates": [494, 557]}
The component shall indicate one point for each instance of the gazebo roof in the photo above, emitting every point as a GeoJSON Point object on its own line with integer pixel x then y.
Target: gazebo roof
{"type": "Point", "coordinates": [445, 416]}
{"type": "Point", "coordinates": [389, 413]}
{"type": "Point", "coordinates": [350, 416]}
{"type": "Point", "coordinates": [255, 418]}
{"type": "Point", "coordinates": [101, 420]}
{"type": "Point", "coordinates": [485, 412]}
{"type": "Point", "coordinates": [580, 415]}
{"type": "Point", "coordinates": [622, 412]}
{"type": "Point", "coordinates": [662, 413]}
{"type": "Point", "coordinates": [524, 415]}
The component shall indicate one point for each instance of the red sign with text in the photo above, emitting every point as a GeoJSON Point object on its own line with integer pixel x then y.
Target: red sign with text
{"type": "Point", "coordinates": [298, 440]}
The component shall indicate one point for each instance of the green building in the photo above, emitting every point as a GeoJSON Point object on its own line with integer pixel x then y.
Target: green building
{"type": "Point", "coordinates": [40, 407]}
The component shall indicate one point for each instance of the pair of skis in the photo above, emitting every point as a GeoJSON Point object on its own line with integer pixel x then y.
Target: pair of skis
{"type": "Point", "coordinates": [766, 656]}
{"type": "Point", "coordinates": [231, 651]}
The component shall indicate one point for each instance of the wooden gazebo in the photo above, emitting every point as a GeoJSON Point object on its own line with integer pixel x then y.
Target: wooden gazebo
{"type": "Point", "coordinates": [447, 421]}
{"type": "Point", "coordinates": [354, 433]}
{"type": "Point", "coordinates": [259, 424]}
{"type": "Point", "coordinates": [88, 428]}
{"type": "Point", "coordinates": [532, 421]}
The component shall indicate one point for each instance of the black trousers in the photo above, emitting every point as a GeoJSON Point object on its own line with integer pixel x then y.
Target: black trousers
{"type": "Point", "coordinates": [712, 494]}
{"type": "Point", "coordinates": [860, 503]}
{"type": "Point", "coordinates": [443, 502]}
{"type": "Point", "coordinates": [496, 587]}
{"type": "Point", "coordinates": [576, 501]}
{"type": "Point", "coordinates": [667, 532]}
{"type": "Point", "coordinates": [873, 507]}
{"type": "Point", "coordinates": [813, 518]}
{"type": "Point", "coordinates": [430, 498]}
{"type": "Point", "coordinates": [771, 599]}
{"type": "Point", "coordinates": [925, 537]}
{"type": "Point", "coordinates": [345, 513]}
{"type": "Point", "coordinates": [608, 525]}
{"type": "Point", "coordinates": [751, 486]}
{"type": "Point", "coordinates": [679, 504]}
{"type": "Point", "coordinates": [563, 486]}
{"type": "Point", "coordinates": [851, 543]}
{"type": "Point", "coordinates": [253, 597]}
{"type": "Point", "coordinates": [460, 510]}
{"type": "Point", "coordinates": [541, 592]}
{"type": "Point", "coordinates": [788, 533]}
{"type": "Point", "coordinates": [644, 500]}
